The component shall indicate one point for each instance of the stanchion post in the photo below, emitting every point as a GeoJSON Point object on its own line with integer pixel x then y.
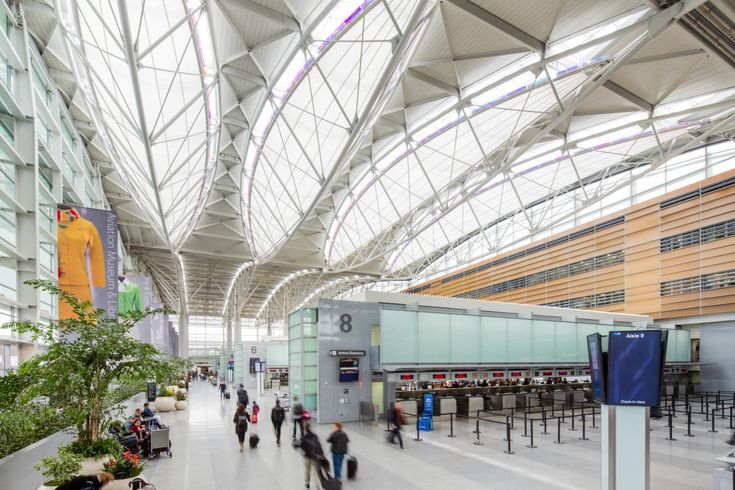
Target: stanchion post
{"type": "Point", "coordinates": [451, 425]}
{"type": "Point", "coordinates": [673, 407]}
{"type": "Point", "coordinates": [572, 429]}
{"type": "Point", "coordinates": [507, 436]}
{"type": "Point", "coordinates": [689, 425]}
{"type": "Point", "coordinates": [563, 415]}
{"type": "Point", "coordinates": [477, 424]}
{"type": "Point", "coordinates": [713, 430]}
{"type": "Point", "coordinates": [731, 418]}
{"type": "Point", "coordinates": [418, 434]}
{"type": "Point", "coordinates": [525, 424]}
{"type": "Point", "coordinates": [671, 428]}
{"type": "Point", "coordinates": [532, 446]}
{"type": "Point", "coordinates": [593, 418]}
{"type": "Point", "coordinates": [477, 432]}
{"type": "Point", "coordinates": [558, 432]}
{"type": "Point", "coordinates": [545, 431]}
{"type": "Point", "coordinates": [722, 413]}
{"type": "Point", "coordinates": [707, 412]}
{"type": "Point", "coordinates": [512, 419]}
{"type": "Point", "coordinates": [584, 429]}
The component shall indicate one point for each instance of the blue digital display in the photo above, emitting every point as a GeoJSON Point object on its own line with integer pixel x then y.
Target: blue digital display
{"type": "Point", "coordinates": [634, 368]}
{"type": "Point", "coordinates": [428, 403]}
{"type": "Point", "coordinates": [597, 367]}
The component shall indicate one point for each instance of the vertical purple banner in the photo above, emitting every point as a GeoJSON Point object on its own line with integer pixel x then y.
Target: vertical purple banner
{"type": "Point", "coordinates": [135, 294]}
{"type": "Point", "coordinates": [87, 253]}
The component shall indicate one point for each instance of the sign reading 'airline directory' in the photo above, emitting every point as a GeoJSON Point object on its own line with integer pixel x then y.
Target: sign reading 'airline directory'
{"type": "Point", "coordinates": [634, 368]}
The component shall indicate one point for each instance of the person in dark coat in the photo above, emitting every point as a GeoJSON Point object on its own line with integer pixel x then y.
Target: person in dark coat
{"type": "Point", "coordinates": [298, 416]}
{"type": "Point", "coordinates": [242, 396]}
{"type": "Point", "coordinates": [84, 482]}
{"type": "Point", "coordinates": [278, 415]}
{"type": "Point", "coordinates": [241, 420]}
{"type": "Point", "coordinates": [313, 456]}
{"type": "Point", "coordinates": [338, 440]}
{"type": "Point", "coordinates": [222, 388]}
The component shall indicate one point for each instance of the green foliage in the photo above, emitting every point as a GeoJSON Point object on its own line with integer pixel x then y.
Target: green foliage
{"type": "Point", "coordinates": [22, 425]}
{"type": "Point", "coordinates": [127, 466]}
{"type": "Point", "coordinates": [87, 358]}
{"type": "Point", "coordinates": [60, 468]}
{"type": "Point", "coordinates": [180, 396]}
{"type": "Point", "coordinates": [12, 386]}
{"type": "Point", "coordinates": [104, 446]}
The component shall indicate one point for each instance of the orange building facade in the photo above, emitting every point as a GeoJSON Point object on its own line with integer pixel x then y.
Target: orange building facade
{"type": "Point", "coordinates": [668, 257]}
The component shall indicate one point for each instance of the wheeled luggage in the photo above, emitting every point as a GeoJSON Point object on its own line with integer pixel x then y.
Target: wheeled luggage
{"type": "Point", "coordinates": [351, 467]}
{"type": "Point", "coordinates": [253, 441]}
{"type": "Point", "coordinates": [327, 480]}
{"type": "Point", "coordinates": [227, 395]}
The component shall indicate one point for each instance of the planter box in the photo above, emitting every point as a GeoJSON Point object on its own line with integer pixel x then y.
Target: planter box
{"type": "Point", "coordinates": [165, 404]}
{"type": "Point", "coordinates": [182, 405]}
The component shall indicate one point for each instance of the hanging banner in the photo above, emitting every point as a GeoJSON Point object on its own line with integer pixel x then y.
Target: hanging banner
{"type": "Point", "coordinates": [87, 246]}
{"type": "Point", "coordinates": [136, 294]}
{"type": "Point", "coordinates": [159, 329]}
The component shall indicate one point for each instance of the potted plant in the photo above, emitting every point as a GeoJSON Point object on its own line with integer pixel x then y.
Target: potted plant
{"type": "Point", "coordinates": [86, 359]}
{"type": "Point", "coordinates": [124, 469]}
{"type": "Point", "coordinates": [181, 403]}
{"type": "Point", "coordinates": [166, 402]}
{"type": "Point", "coordinates": [56, 470]}
{"type": "Point", "coordinates": [94, 452]}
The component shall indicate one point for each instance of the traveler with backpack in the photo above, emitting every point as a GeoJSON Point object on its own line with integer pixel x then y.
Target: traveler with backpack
{"type": "Point", "coordinates": [338, 440]}
{"type": "Point", "coordinates": [241, 420]}
{"type": "Point", "coordinates": [313, 457]}
{"type": "Point", "coordinates": [298, 416]}
{"type": "Point", "coordinates": [242, 396]}
{"type": "Point", "coordinates": [278, 415]}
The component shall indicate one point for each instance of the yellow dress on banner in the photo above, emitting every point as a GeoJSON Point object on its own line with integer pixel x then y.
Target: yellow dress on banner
{"type": "Point", "coordinates": [78, 239]}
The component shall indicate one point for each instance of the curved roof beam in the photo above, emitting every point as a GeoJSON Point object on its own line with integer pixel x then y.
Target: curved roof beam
{"type": "Point", "coordinates": [271, 197]}
{"type": "Point", "coordinates": [474, 180]}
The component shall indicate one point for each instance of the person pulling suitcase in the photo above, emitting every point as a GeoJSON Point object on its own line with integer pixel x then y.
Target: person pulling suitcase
{"type": "Point", "coordinates": [338, 441]}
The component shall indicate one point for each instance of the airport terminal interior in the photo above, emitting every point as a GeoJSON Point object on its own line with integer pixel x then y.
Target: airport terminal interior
{"type": "Point", "coordinates": [362, 244]}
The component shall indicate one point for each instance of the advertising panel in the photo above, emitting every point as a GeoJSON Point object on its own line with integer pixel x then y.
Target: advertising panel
{"type": "Point", "coordinates": [159, 329]}
{"type": "Point", "coordinates": [135, 294]}
{"type": "Point", "coordinates": [634, 368]}
{"type": "Point", "coordinates": [87, 253]}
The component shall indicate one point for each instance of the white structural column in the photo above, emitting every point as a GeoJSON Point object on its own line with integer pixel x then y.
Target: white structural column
{"type": "Point", "coordinates": [183, 335]}
{"type": "Point", "coordinates": [625, 454]}
{"type": "Point", "coordinates": [228, 334]}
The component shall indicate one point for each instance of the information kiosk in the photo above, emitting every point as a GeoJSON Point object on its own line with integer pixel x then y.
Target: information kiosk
{"type": "Point", "coordinates": [627, 373]}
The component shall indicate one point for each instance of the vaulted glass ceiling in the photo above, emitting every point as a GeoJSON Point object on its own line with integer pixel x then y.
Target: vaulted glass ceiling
{"type": "Point", "coordinates": [148, 74]}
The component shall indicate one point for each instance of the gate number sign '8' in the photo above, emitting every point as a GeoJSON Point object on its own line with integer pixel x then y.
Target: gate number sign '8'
{"type": "Point", "coordinates": [345, 322]}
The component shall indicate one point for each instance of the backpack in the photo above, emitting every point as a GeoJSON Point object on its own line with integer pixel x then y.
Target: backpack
{"type": "Point", "coordinates": [242, 423]}
{"type": "Point", "coordinates": [278, 415]}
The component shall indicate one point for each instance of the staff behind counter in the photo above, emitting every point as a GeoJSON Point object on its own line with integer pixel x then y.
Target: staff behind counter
{"type": "Point", "coordinates": [425, 385]}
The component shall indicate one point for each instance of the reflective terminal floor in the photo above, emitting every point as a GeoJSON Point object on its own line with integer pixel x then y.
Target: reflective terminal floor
{"type": "Point", "coordinates": [206, 454]}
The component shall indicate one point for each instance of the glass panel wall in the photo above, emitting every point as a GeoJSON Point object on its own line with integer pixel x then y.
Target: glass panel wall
{"type": "Point", "coordinates": [413, 337]}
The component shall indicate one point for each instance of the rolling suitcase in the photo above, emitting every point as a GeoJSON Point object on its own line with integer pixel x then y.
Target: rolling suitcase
{"type": "Point", "coordinates": [351, 467]}
{"type": "Point", "coordinates": [227, 395]}
{"type": "Point", "coordinates": [253, 441]}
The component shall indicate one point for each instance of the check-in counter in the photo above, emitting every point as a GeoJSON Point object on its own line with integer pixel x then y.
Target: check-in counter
{"type": "Point", "coordinates": [493, 402]}
{"type": "Point", "coordinates": [509, 401]}
{"type": "Point", "coordinates": [409, 407]}
{"type": "Point", "coordinates": [445, 406]}
{"type": "Point", "coordinates": [578, 396]}
{"type": "Point", "coordinates": [563, 398]}
{"type": "Point", "coordinates": [469, 404]}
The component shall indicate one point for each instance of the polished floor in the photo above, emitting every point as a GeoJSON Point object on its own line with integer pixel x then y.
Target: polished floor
{"type": "Point", "coordinates": [206, 455]}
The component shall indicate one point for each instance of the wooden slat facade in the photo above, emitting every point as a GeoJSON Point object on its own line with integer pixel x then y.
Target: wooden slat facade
{"type": "Point", "coordinates": [700, 205]}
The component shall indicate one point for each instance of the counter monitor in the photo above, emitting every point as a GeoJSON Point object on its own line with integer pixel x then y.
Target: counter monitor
{"type": "Point", "coordinates": [438, 376]}
{"type": "Point", "coordinates": [460, 376]}
{"type": "Point", "coordinates": [515, 374]}
{"type": "Point", "coordinates": [548, 373]}
{"type": "Point", "coordinates": [498, 375]}
{"type": "Point", "coordinates": [406, 377]}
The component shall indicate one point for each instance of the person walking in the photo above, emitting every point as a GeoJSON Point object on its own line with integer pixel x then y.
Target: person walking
{"type": "Point", "coordinates": [241, 420]}
{"type": "Point", "coordinates": [278, 415]}
{"type": "Point", "coordinates": [397, 421]}
{"type": "Point", "coordinates": [242, 396]}
{"type": "Point", "coordinates": [338, 440]}
{"type": "Point", "coordinates": [298, 416]}
{"type": "Point", "coordinates": [313, 457]}
{"type": "Point", "coordinates": [222, 388]}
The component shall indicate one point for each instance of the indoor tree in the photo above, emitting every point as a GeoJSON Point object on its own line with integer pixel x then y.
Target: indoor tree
{"type": "Point", "coordinates": [86, 358]}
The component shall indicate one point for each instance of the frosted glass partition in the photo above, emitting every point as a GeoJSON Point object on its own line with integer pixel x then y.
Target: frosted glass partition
{"type": "Point", "coordinates": [302, 355]}
{"type": "Point", "coordinates": [678, 348]}
{"type": "Point", "coordinates": [412, 337]}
